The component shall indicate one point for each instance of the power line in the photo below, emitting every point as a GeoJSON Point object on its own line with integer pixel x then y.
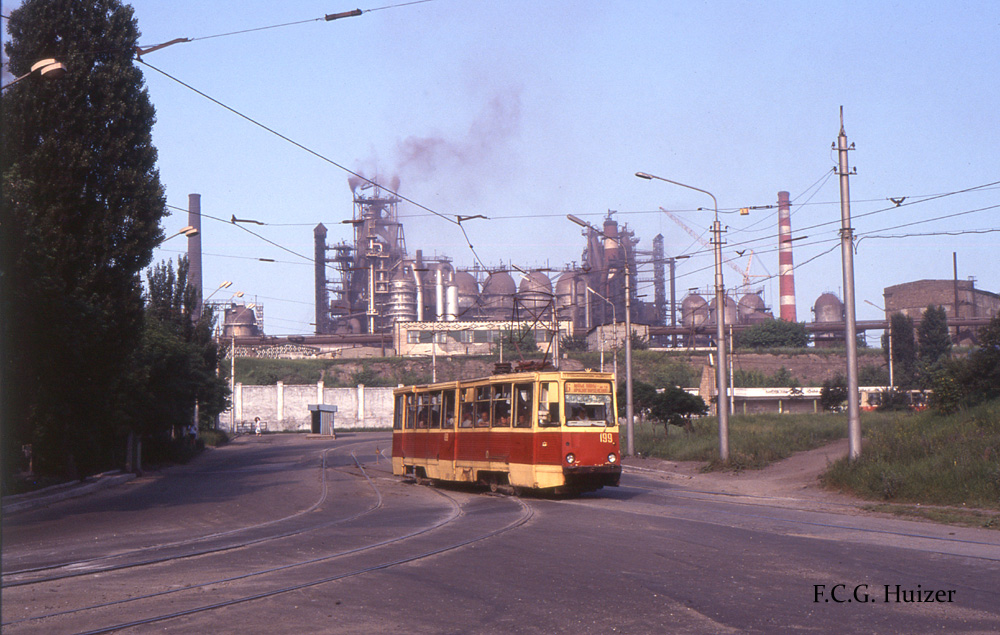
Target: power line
{"type": "Point", "coordinates": [456, 221]}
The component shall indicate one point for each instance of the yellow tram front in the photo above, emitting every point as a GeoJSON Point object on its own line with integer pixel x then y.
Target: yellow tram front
{"type": "Point", "coordinates": [550, 430]}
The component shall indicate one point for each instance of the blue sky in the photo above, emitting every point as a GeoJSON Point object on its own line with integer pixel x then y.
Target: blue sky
{"type": "Point", "coordinates": [540, 109]}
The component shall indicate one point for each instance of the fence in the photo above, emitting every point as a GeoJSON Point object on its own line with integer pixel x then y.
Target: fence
{"type": "Point", "coordinates": [286, 408]}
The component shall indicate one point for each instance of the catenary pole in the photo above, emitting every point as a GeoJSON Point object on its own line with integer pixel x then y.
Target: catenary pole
{"type": "Point", "coordinates": [850, 335]}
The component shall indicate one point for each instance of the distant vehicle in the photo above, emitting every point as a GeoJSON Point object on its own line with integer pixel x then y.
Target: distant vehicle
{"type": "Point", "coordinates": [543, 430]}
{"type": "Point", "coordinates": [872, 398]}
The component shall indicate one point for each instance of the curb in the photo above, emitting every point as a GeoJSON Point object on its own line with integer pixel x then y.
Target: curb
{"type": "Point", "coordinates": [64, 491]}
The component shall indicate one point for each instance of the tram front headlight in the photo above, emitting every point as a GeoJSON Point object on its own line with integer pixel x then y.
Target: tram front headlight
{"type": "Point", "coordinates": [612, 457]}
{"type": "Point", "coordinates": [571, 458]}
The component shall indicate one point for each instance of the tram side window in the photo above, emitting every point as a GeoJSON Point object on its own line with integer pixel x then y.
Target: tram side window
{"type": "Point", "coordinates": [483, 406]}
{"type": "Point", "coordinates": [501, 406]}
{"type": "Point", "coordinates": [548, 404]}
{"type": "Point", "coordinates": [468, 408]}
{"type": "Point", "coordinates": [423, 411]}
{"type": "Point", "coordinates": [522, 405]}
{"type": "Point", "coordinates": [448, 405]}
{"type": "Point", "coordinates": [411, 411]}
{"type": "Point", "coordinates": [434, 420]}
{"type": "Point", "coordinates": [399, 413]}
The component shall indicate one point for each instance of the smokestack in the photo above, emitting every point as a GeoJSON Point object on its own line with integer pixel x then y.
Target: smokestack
{"type": "Point", "coordinates": [786, 279]}
{"type": "Point", "coordinates": [322, 295]}
{"type": "Point", "coordinates": [194, 251]}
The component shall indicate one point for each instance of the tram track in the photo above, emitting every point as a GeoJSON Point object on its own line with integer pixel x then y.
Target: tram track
{"type": "Point", "coordinates": [90, 566]}
{"type": "Point", "coordinates": [812, 521]}
{"type": "Point", "coordinates": [391, 560]}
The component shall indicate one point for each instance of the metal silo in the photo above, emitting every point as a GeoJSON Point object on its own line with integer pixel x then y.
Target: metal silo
{"type": "Point", "coordinates": [828, 309]}
{"type": "Point", "coordinates": [694, 310]}
{"type": "Point", "coordinates": [498, 296]}
{"type": "Point", "coordinates": [730, 311]}
{"type": "Point", "coordinates": [535, 293]}
{"type": "Point", "coordinates": [751, 309]}
{"type": "Point", "coordinates": [468, 293]}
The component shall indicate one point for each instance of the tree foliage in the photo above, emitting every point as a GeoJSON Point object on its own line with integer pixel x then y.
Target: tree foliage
{"type": "Point", "coordinates": [82, 201]}
{"type": "Point", "coordinates": [518, 341]}
{"type": "Point", "coordinates": [933, 340]}
{"type": "Point", "coordinates": [977, 377]}
{"type": "Point", "coordinates": [833, 394]}
{"type": "Point", "coordinates": [904, 350]}
{"type": "Point", "coordinates": [675, 407]}
{"type": "Point", "coordinates": [670, 406]}
{"type": "Point", "coordinates": [571, 343]}
{"type": "Point", "coordinates": [773, 334]}
{"type": "Point", "coordinates": [178, 359]}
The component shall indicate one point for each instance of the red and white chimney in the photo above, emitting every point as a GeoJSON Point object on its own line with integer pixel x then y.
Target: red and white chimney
{"type": "Point", "coordinates": [786, 279]}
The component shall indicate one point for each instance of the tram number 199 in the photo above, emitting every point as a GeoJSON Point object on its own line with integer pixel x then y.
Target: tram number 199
{"type": "Point", "coordinates": [606, 437]}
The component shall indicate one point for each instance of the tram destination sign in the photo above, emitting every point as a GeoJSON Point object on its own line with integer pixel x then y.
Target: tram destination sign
{"type": "Point", "coordinates": [588, 388]}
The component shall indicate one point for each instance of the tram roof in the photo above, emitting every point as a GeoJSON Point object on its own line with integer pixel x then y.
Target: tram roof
{"type": "Point", "coordinates": [534, 375]}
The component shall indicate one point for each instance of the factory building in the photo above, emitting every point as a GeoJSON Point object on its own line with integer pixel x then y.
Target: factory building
{"type": "Point", "coordinates": [373, 284]}
{"type": "Point", "coordinates": [959, 298]}
{"type": "Point", "coordinates": [371, 294]}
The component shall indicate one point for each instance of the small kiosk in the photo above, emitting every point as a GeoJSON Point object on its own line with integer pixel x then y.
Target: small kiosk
{"type": "Point", "coordinates": [322, 419]}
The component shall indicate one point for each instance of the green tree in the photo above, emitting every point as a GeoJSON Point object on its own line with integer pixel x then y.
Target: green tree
{"type": "Point", "coordinates": [518, 341]}
{"type": "Point", "coordinates": [643, 395]}
{"type": "Point", "coordinates": [904, 350]}
{"type": "Point", "coordinates": [82, 201]}
{"type": "Point", "coordinates": [979, 374]}
{"type": "Point", "coordinates": [933, 340]}
{"type": "Point", "coordinates": [573, 343]}
{"type": "Point", "coordinates": [773, 334]}
{"type": "Point", "coordinates": [833, 394]}
{"type": "Point", "coordinates": [639, 342]}
{"type": "Point", "coordinates": [183, 350]}
{"type": "Point", "coordinates": [675, 407]}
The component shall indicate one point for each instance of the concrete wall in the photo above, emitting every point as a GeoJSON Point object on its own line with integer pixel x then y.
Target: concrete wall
{"type": "Point", "coordinates": [287, 407]}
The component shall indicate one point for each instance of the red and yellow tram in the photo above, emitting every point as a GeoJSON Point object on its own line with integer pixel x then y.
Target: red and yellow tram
{"type": "Point", "coordinates": [546, 430]}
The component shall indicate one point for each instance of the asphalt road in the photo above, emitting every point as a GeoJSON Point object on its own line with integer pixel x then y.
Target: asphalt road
{"type": "Point", "coordinates": [284, 534]}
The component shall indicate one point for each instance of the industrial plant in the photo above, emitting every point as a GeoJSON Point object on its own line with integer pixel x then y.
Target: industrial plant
{"type": "Point", "coordinates": [374, 292]}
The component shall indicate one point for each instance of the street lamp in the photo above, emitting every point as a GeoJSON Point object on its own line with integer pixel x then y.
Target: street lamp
{"type": "Point", "coordinates": [614, 317]}
{"type": "Point", "coordinates": [721, 403]}
{"type": "Point", "coordinates": [225, 285]}
{"type": "Point", "coordinates": [189, 231]}
{"type": "Point", "coordinates": [47, 68]}
{"type": "Point", "coordinates": [629, 404]}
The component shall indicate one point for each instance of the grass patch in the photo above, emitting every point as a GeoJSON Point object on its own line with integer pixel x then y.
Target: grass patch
{"type": "Point", "coordinates": [927, 458]}
{"type": "Point", "coordinates": [755, 441]}
{"type": "Point", "coordinates": [213, 437]}
{"type": "Point", "coordinates": [947, 515]}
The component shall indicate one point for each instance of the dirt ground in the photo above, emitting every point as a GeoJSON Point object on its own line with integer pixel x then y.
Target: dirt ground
{"type": "Point", "coordinates": [794, 480]}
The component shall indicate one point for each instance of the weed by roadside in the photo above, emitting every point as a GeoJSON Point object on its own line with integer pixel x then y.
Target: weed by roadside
{"type": "Point", "coordinates": [755, 441]}
{"type": "Point", "coordinates": [928, 458]}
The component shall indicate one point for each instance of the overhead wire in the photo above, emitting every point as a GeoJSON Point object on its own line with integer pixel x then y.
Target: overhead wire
{"type": "Point", "coordinates": [456, 221]}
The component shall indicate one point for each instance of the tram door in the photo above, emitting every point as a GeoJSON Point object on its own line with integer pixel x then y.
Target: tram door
{"type": "Point", "coordinates": [498, 447]}
{"type": "Point", "coordinates": [446, 447]}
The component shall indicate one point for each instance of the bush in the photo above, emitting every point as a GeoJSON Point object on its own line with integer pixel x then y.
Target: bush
{"type": "Point", "coordinates": [213, 437]}
{"type": "Point", "coordinates": [833, 394]}
{"type": "Point", "coordinates": [773, 334]}
{"type": "Point", "coordinates": [928, 458]}
{"type": "Point", "coordinates": [573, 344]}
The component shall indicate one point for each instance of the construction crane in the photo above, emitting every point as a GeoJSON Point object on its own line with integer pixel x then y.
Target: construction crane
{"type": "Point", "coordinates": [745, 274]}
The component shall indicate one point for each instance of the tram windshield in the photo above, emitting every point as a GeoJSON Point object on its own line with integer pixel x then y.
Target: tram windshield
{"type": "Point", "coordinates": [588, 404]}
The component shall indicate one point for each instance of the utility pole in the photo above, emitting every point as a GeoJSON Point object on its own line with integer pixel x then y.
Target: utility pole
{"type": "Point", "coordinates": [850, 336]}
{"type": "Point", "coordinates": [722, 384]}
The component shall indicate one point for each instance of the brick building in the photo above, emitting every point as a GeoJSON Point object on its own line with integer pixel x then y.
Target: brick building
{"type": "Point", "coordinates": [959, 298]}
